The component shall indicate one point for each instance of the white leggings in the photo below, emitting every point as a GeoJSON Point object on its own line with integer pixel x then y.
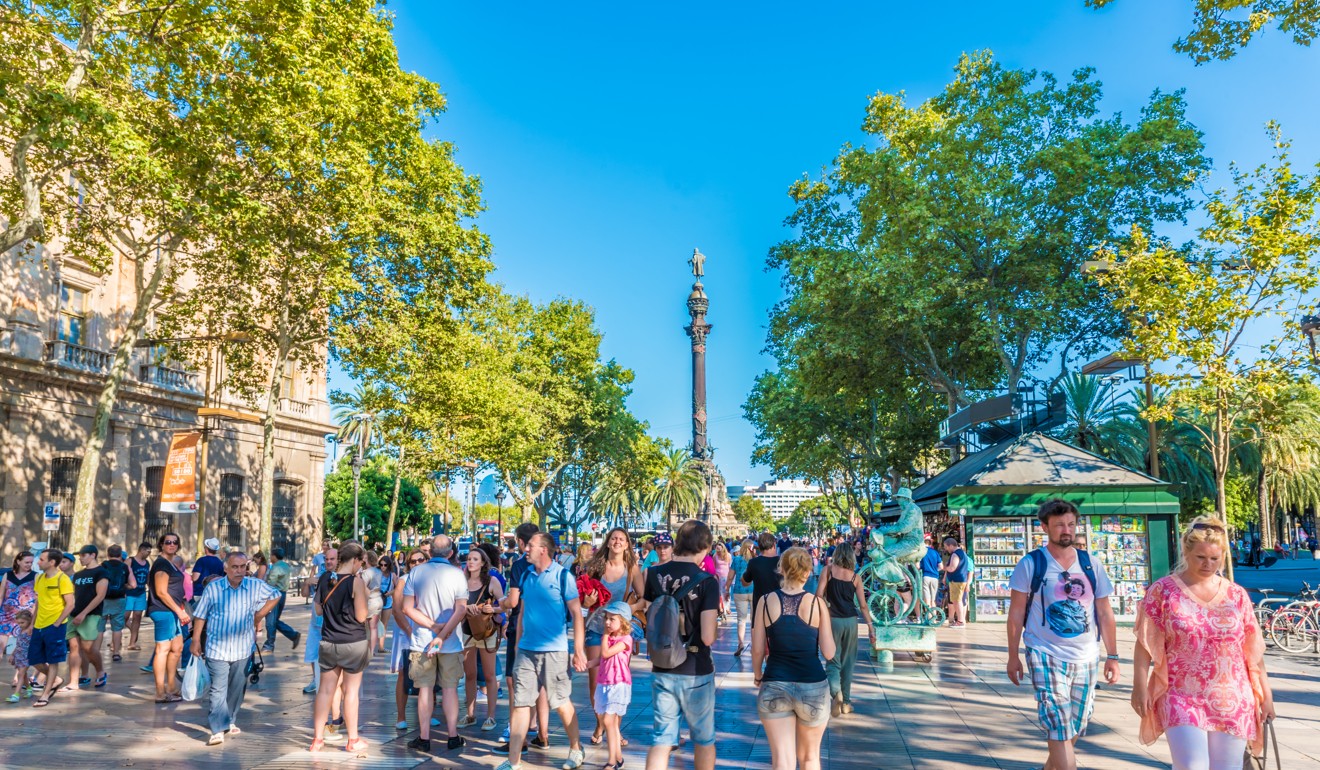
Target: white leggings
{"type": "Point", "coordinates": [1195, 749]}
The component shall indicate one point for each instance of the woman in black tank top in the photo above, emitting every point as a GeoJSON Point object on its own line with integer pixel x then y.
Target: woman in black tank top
{"type": "Point", "coordinates": [793, 695]}
{"type": "Point", "coordinates": [841, 588]}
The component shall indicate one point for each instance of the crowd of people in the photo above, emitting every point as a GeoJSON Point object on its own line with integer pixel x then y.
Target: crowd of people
{"type": "Point", "coordinates": [443, 619]}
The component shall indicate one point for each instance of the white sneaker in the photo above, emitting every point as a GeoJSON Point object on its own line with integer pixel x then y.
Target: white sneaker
{"type": "Point", "coordinates": [488, 725]}
{"type": "Point", "coordinates": [575, 759]}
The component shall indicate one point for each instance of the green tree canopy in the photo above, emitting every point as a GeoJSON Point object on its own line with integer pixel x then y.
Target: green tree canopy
{"type": "Point", "coordinates": [1221, 28]}
{"type": "Point", "coordinates": [376, 489]}
{"type": "Point", "coordinates": [751, 513]}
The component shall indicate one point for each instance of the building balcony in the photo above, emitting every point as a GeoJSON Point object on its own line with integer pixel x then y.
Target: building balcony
{"type": "Point", "coordinates": [180, 380]}
{"type": "Point", "coordinates": [300, 409]}
{"type": "Point", "coordinates": [70, 356]}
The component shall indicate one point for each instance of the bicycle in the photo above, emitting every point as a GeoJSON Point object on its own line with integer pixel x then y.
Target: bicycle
{"type": "Point", "coordinates": [1296, 627]}
{"type": "Point", "coordinates": [1266, 608]}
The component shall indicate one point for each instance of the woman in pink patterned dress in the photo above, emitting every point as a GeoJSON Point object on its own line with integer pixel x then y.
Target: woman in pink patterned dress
{"type": "Point", "coordinates": [1199, 664]}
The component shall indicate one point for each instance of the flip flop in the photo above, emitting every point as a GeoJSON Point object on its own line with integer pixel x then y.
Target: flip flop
{"type": "Point", "coordinates": [360, 744]}
{"type": "Point", "coordinates": [40, 703]}
{"type": "Point", "coordinates": [101, 680]}
{"type": "Point", "coordinates": [116, 657]}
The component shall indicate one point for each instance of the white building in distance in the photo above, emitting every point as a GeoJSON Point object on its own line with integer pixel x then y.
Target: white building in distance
{"type": "Point", "coordinates": [782, 496]}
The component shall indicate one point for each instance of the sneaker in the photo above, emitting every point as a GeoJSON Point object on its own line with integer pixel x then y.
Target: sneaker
{"type": "Point", "coordinates": [420, 744]}
{"type": "Point", "coordinates": [504, 736]}
{"type": "Point", "coordinates": [456, 742]}
{"type": "Point", "coordinates": [488, 725]}
{"type": "Point", "coordinates": [540, 743]}
{"type": "Point", "coordinates": [506, 765]}
{"type": "Point", "coordinates": [504, 748]}
{"type": "Point", "coordinates": [575, 759]}
{"type": "Point", "coordinates": [13, 698]}
{"type": "Point", "coordinates": [147, 669]}
{"type": "Point", "coordinates": [401, 726]}
{"type": "Point", "coordinates": [297, 637]}
{"type": "Point", "coordinates": [467, 721]}
{"type": "Point", "coordinates": [435, 722]}
{"type": "Point", "coordinates": [310, 689]}
{"type": "Point", "coordinates": [216, 740]}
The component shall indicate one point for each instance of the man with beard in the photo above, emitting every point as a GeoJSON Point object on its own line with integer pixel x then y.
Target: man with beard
{"type": "Point", "coordinates": [1060, 608]}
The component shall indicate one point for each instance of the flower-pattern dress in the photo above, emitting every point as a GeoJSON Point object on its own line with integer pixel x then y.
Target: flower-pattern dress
{"type": "Point", "coordinates": [1207, 660]}
{"type": "Point", "coordinates": [21, 596]}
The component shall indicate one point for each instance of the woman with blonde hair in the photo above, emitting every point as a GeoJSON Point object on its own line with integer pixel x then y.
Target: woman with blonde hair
{"type": "Point", "coordinates": [793, 696]}
{"type": "Point", "coordinates": [1199, 666]}
{"type": "Point", "coordinates": [741, 594]}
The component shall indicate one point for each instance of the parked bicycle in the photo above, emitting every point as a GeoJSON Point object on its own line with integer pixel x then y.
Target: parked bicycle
{"type": "Point", "coordinates": [1269, 605]}
{"type": "Point", "coordinates": [1295, 627]}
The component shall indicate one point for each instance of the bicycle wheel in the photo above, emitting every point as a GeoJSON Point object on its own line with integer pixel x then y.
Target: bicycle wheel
{"type": "Point", "coordinates": [1293, 631]}
{"type": "Point", "coordinates": [1263, 618]}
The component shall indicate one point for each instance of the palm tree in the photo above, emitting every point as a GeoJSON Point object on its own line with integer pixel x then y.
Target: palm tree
{"type": "Point", "coordinates": [1181, 448]}
{"type": "Point", "coordinates": [680, 486]}
{"type": "Point", "coordinates": [1084, 399]}
{"type": "Point", "coordinates": [1285, 436]}
{"type": "Point", "coordinates": [354, 414]}
{"type": "Point", "coordinates": [611, 498]}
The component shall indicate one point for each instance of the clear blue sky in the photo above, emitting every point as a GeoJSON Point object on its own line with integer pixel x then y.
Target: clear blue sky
{"type": "Point", "coordinates": [612, 139]}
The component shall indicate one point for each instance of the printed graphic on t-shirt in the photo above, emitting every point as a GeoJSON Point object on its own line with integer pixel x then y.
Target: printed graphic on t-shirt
{"type": "Point", "coordinates": [1067, 614]}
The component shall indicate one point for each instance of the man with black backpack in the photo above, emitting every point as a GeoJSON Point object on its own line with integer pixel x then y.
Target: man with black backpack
{"type": "Point", "coordinates": [121, 582]}
{"type": "Point", "coordinates": [682, 617]}
{"type": "Point", "coordinates": [1060, 608]}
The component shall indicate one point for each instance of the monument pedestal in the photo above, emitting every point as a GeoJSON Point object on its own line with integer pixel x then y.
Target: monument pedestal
{"type": "Point", "coordinates": [886, 640]}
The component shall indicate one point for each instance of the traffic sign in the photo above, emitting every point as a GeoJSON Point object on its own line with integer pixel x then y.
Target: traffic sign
{"type": "Point", "coordinates": [50, 519]}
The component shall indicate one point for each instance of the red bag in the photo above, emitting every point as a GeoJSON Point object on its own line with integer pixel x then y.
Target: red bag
{"type": "Point", "coordinates": [586, 585]}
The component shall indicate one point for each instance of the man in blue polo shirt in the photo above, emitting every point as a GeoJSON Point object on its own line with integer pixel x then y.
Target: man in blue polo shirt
{"type": "Point", "coordinates": [548, 593]}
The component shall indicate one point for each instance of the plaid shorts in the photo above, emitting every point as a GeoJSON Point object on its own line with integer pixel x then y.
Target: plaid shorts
{"type": "Point", "coordinates": [1065, 694]}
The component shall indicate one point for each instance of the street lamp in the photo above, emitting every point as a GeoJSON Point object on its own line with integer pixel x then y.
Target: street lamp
{"type": "Point", "coordinates": [1311, 328]}
{"type": "Point", "coordinates": [362, 419]}
{"type": "Point", "coordinates": [499, 501]}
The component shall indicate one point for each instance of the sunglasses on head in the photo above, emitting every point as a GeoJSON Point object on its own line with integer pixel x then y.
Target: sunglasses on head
{"type": "Point", "coordinates": [1207, 525]}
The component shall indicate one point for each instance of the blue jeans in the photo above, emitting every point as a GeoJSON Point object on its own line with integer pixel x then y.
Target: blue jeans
{"type": "Point", "coordinates": [273, 624]}
{"type": "Point", "coordinates": [693, 697]}
{"type": "Point", "coordinates": [228, 684]}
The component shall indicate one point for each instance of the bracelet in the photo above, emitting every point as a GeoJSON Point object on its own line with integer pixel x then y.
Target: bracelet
{"type": "Point", "coordinates": [1111, 657]}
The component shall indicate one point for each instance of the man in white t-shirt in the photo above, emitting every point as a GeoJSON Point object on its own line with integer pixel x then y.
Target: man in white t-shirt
{"type": "Point", "coordinates": [435, 600]}
{"type": "Point", "coordinates": [1060, 608]}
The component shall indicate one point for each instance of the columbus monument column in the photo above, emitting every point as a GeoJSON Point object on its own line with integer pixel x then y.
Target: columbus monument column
{"type": "Point", "coordinates": [715, 509]}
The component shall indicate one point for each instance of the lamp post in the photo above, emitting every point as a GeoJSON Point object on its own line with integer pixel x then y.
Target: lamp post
{"type": "Point", "coordinates": [499, 502]}
{"type": "Point", "coordinates": [441, 482]}
{"type": "Point", "coordinates": [1311, 328]}
{"type": "Point", "coordinates": [362, 419]}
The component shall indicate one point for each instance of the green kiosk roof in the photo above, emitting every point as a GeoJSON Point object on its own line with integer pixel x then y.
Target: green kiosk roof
{"type": "Point", "coordinates": [1010, 477]}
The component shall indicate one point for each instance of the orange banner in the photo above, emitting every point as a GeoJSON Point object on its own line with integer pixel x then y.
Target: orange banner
{"type": "Point", "coordinates": [178, 493]}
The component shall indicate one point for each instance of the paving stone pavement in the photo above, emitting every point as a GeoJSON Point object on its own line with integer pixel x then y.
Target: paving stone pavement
{"type": "Point", "coordinates": [959, 711]}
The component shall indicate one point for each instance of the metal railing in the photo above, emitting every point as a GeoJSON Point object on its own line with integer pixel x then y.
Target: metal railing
{"type": "Point", "coordinates": [73, 356]}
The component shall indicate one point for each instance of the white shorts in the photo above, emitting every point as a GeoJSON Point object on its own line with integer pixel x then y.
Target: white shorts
{"type": "Point", "coordinates": [613, 698]}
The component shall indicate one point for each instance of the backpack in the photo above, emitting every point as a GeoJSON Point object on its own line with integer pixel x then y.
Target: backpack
{"type": "Point", "coordinates": [667, 637]}
{"type": "Point", "coordinates": [1039, 566]}
{"type": "Point", "coordinates": [118, 574]}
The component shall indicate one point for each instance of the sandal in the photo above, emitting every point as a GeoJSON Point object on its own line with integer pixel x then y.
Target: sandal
{"type": "Point", "coordinates": [358, 744]}
{"type": "Point", "coordinates": [596, 738]}
{"type": "Point", "coordinates": [116, 657]}
{"type": "Point", "coordinates": [40, 702]}
{"type": "Point", "coordinates": [317, 745]}
{"type": "Point", "coordinates": [101, 680]}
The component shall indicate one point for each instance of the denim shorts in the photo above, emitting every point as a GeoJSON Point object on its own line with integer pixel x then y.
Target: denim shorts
{"type": "Point", "coordinates": [167, 626]}
{"type": "Point", "coordinates": [808, 701]}
{"type": "Point", "coordinates": [590, 639]}
{"type": "Point", "coordinates": [692, 697]}
{"type": "Point", "coordinates": [113, 612]}
{"type": "Point", "coordinates": [135, 603]}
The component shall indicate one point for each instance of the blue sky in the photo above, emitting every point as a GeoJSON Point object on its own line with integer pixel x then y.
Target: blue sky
{"type": "Point", "coordinates": [612, 139]}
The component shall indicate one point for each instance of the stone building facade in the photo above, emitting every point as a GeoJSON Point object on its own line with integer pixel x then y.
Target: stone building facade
{"type": "Point", "coordinates": [59, 322]}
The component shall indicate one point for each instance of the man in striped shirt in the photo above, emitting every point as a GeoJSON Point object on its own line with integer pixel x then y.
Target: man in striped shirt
{"type": "Point", "coordinates": [225, 633]}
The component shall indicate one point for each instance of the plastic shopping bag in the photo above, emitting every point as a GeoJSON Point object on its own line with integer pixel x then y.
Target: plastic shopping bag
{"type": "Point", "coordinates": [196, 679]}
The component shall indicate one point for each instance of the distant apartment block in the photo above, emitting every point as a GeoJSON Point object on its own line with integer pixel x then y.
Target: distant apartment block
{"type": "Point", "coordinates": [781, 497]}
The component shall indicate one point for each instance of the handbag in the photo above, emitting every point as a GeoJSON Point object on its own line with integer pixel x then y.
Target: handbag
{"type": "Point", "coordinates": [1250, 762]}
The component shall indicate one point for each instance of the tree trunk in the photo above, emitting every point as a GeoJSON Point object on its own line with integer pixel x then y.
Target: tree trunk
{"type": "Point", "coordinates": [94, 444]}
{"type": "Point", "coordinates": [1263, 509]}
{"type": "Point", "coordinates": [394, 501]}
{"type": "Point", "coordinates": [268, 433]}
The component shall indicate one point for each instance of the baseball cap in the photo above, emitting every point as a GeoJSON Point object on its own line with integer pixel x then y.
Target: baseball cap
{"type": "Point", "coordinates": [89, 548]}
{"type": "Point", "coordinates": [68, 556]}
{"type": "Point", "coordinates": [212, 543]}
{"type": "Point", "coordinates": [663, 539]}
{"type": "Point", "coordinates": [619, 608]}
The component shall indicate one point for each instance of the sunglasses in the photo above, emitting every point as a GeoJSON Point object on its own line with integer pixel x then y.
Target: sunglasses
{"type": "Point", "coordinates": [169, 542]}
{"type": "Point", "coordinates": [1207, 525]}
{"type": "Point", "coordinates": [416, 561]}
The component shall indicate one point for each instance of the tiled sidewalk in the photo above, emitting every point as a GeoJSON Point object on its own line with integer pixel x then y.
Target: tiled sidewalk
{"type": "Point", "coordinates": [958, 712]}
